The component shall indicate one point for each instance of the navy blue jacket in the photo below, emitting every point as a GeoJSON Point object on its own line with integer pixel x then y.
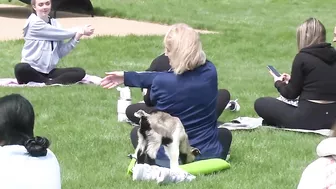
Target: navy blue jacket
{"type": "Point", "coordinates": [191, 97]}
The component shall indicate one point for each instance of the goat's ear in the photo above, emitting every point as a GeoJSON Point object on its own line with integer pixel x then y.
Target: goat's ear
{"type": "Point", "coordinates": [136, 114]}
{"type": "Point", "coordinates": [195, 151]}
{"type": "Point", "coordinates": [140, 113]}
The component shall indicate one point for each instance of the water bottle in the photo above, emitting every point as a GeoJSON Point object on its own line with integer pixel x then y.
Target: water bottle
{"type": "Point", "coordinates": [123, 102]}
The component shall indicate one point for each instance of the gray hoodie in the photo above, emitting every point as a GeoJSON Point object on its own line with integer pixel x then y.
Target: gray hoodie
{"type": "Point", "coordinates": [39, 36]}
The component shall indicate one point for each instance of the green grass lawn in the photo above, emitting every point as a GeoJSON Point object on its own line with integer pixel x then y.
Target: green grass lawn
{"type": "Point", "coordinates": [81, 120]}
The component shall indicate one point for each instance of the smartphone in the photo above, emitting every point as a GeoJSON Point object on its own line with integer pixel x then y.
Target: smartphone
{"type": "Point", "coordinates": [273, 70]}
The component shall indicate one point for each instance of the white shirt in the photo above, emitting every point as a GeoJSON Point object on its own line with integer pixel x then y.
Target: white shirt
{"type": "Point", "coordinates": [321, 173]}
{"type": "Point", "coordinates": [19, 170]}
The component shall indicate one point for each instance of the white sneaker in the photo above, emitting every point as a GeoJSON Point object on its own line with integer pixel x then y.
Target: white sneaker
{"type": "Point", "coordinates": [161, 175]}
{"type": "Point", "coordinates": [233, 106]}
{"type": "Point", "coordinates": [174, 176]}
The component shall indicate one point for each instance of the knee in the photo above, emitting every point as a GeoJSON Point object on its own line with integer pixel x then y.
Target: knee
{"type": "Point", "coordinates": [225, 93]}
{"type": "Point", "coordinates": [130, 110]}
{"type": "Point", "coordinates": [226, 134]}
{"type": "Point", "coordinates": [223, 99]}
{"type": "Point", "coordinates": [81, 72]}
{"type": "Point", "coordinates": [21, 68]}
{"type": "Point", "coordinates": [259, 104]}
{"type": "Point", "coordinates": [134, 136]}
{"type": "Point", "coordinates": [134, 132]}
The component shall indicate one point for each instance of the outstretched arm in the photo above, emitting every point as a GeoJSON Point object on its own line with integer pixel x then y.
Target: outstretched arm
{"type": "Point", "coordinates": [41, 30]}
{"type": "Point", "coordinates": [131, 79]}
{"type": "Point", "coordinates": [139, 79]}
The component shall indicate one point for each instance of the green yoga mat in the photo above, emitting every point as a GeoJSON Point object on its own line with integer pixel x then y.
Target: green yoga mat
{"type": "Point", "coordinates": [208, 166]}
{"type": "Point", "coordinates": [201, 167]}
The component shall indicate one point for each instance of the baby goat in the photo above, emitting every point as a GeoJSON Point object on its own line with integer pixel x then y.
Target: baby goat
{"type": "Point", "coordinates": [159, 128]}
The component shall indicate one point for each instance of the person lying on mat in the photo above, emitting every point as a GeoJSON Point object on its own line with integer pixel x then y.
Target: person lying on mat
{"type": "Point", "coordinates": [44, 47]}
{"type": "Point", "coordinates": [25, 160]}
{"type": "Point", "coordinates": [188, 92]}
{"type": "Point", "coordinates": [321, 173]}
{"type": "Point", "coordinates": [313, 80]}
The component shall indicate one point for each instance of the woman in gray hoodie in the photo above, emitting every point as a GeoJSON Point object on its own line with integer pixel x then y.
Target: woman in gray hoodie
{"type": "Point", "coordinates": [44, 47]}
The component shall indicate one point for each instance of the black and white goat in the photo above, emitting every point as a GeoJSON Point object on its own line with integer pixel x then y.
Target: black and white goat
{"type": "Point", "coordinates": [160, 128]}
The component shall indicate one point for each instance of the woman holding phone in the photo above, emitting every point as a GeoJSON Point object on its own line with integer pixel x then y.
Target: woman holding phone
{"type": "Point", "coordinates": [312, 79]}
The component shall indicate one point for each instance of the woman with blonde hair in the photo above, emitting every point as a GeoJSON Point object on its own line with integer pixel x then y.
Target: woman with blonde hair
{"type": "Point", "coordinates": [313, 80]}
{"type": "Point", "coordinates": [189, 91]}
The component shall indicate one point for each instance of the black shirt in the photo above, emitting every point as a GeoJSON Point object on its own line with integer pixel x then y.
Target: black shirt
{"type": "Point", "coordinates": [313, 75]}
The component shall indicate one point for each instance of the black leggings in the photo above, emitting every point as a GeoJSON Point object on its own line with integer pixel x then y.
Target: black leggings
{"type": "Point", "coordinates": [24, 73]}
{"type": "Point", "coordinates": [307, 115]}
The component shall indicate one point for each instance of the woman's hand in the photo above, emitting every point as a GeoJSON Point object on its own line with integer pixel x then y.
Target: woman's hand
{"type": "Point", "coordinates": [276, 78]}
{"type": "Point", "coordinates": [112, 79]}
{"type": "Point", "coordinates": [286, 77]}
{"type": "Point", "coordinates": [88, 30]}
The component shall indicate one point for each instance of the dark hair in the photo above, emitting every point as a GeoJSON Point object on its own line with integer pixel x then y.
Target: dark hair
{"type": "Point", "coordinates": [17, 125]}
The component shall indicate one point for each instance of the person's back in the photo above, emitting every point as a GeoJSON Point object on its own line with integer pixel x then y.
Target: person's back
{"type": "Point", "coordinates": [321, 173]}
{"type": "Point", "coordinates": [21, 170]}
{"type": "Point", "coordinates": [318, 67]}
{"type": "Point", "coordinates": [192, 98]}
{"type": "Point", "coordinates": [25, 160]}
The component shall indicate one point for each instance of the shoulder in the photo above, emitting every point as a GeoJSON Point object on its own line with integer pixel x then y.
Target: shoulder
{"type": "Point", "coordinates": [326, 147]}
{"type": "Point", "coordinates": [314, 175]}
{"type": "Point", "coordinates": [319, 167]}
{"type": "Point", "coordinates": [210, 65]}
{"type": "Point", "coordinates": [46, 169]}
{"type": "Point", "coordinates": [300, 56]}
{"type": "Point", "coordinates": [299, 59]}
{"type": "Point", "coordinates": [51, 155]}
{"type": "Point", "coordinates": [208, 70]}
{"type": "Point", "coordinates": [48, 165]}
{"type": "Point", "coordinates": [33, 19]}
{"type": "Point", "coordinates": [55, 22]}
{"type": "Point", "coordinates": [207, 66]}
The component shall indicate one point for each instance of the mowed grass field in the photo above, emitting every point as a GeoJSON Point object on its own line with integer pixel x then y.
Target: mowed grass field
{"type": "Point", "coordinates": [81, 120]}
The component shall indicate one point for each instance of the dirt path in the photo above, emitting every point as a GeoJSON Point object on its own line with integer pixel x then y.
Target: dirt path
{"type": "Point", "coordinates": [14, 17]}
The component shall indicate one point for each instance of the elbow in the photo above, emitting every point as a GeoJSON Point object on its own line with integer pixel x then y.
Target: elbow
{"type": "Point", "coordinates": [290, 95]}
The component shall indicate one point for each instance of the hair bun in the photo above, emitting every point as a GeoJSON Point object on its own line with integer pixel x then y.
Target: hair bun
{"type": "Point", "coordinates": [37, 146]}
